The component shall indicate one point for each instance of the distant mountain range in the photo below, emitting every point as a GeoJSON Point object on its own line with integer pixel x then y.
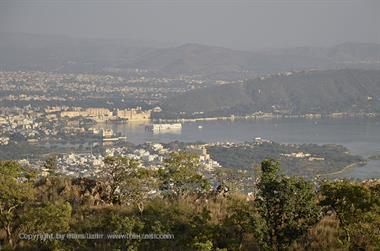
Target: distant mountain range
{"type": "Point", "coordinates": [323, 92]}
{"type": "Point", "coordinates": [65, 54]}
{"type": "Point", "coordinates": [21, 51]}
{"type": "Point", "coordinates": [217, 61]}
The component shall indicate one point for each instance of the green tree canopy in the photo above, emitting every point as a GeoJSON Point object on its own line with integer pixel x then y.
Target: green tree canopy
{"type": "Point", "coordinates": [358, 210]}
{"type": "Point", "coordinates": [181, 176]}
{"type": "Point", "coordinates": [15, 192]}
{"type": "Point", "coordinates": [288, 207]}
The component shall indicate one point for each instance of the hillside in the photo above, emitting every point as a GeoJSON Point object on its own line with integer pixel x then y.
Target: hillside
{"type": "Point", "coordinates": [217, 61]}
{"type": "Point", "coordinates": [21, 51]}
{"type": "Point", "coordinates": [198, 59]}
{"type": "Point", "coordinates": [300, 93]}
{"type": "Point", "coordinates": [319, 159]}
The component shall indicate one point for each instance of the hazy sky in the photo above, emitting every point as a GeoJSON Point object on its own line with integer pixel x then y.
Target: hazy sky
{"type": "Point", "coordinates": [240, 24]}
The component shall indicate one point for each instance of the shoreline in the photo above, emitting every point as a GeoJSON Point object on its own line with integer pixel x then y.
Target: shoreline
{"type": "Point", "coordinates": [272, 116]}
{"type": "Point", "coordinates": [346, 168]}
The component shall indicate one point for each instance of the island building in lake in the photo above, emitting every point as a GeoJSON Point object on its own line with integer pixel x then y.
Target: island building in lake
{"type": "Point", "coordinates": [163, 128]}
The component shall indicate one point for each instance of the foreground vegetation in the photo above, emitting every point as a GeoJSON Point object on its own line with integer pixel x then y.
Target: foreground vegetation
{"type": "Point", "coordinates": [282, 213]}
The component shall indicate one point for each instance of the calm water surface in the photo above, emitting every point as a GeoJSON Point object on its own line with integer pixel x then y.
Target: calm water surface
{"type": "Point", "coordinates": [361, 136]}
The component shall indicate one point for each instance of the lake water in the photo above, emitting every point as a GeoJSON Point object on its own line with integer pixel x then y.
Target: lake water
{"type": "Point", "coordinates": [361, 136]}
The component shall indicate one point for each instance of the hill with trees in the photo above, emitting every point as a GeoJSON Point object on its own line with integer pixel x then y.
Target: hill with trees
{"type": "Point", "coordinates": [322, 92]}
{"type": "Point", "coordinates": [306, 160]}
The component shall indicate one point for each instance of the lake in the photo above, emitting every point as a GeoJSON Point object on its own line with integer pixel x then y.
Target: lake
{"type": "Point", "coordinates": [360, 135]}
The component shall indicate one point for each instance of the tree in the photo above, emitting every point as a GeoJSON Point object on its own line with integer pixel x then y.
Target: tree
{"type": "Point", "coordinates": [14, 193]}
{"type": "Point", "coordinates": [50, 164]}
{"type": "Point", "coordinates": [357, 209]}
{"type": "Point", "coordinates": [203, 246]}
{"type": "Point", "coordinates": [137, 186]}
{"type": "Point", "coordinates": [181, 176]}
{"type": "Point", "coordinates": [129, 183]}
{"type": "Point", "coordinates": [52, 218]}
{"type": "Point", "coordinates": [288, 207]}
{"type": "Point", "coordinates": [116, 172]}
{"type": "Point", "coordinates": [241, 222]}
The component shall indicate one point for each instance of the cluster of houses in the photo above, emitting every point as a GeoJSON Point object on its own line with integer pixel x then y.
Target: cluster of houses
{"type": "Point", "coordinates": [149, 155]}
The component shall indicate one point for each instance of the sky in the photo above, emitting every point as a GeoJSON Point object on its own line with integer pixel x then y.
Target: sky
{"type": "Point", "coordinates": [238, 24]}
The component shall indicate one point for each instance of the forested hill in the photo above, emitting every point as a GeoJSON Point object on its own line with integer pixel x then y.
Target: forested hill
{"type": "Point", "coordinates": [323, 92]}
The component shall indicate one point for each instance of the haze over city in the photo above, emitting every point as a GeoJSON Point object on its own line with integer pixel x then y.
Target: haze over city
{"type": "Point", "coordinates": [244, 25]}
